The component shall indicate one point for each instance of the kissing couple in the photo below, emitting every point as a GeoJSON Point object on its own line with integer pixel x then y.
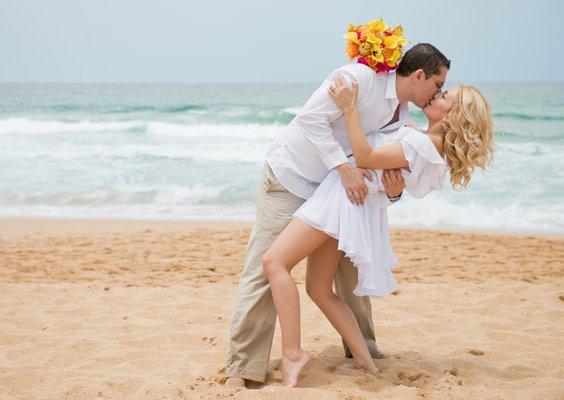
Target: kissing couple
{"type": "Point", "coordinates": [324, 191]}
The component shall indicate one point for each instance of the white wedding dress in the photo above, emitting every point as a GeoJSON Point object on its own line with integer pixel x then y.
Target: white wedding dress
{"type": "Point", "coordinates": [362, 230]}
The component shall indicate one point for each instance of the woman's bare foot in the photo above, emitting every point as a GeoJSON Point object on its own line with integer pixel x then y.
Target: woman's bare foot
{"type": "Point", "coordinates": [292, 366]}
{"type": "Point", "coordinates": [367, 366]}
{"type": "Point", "coordinates": [234, 382]}
{"type": "Point", "coordinates": [347, 363]}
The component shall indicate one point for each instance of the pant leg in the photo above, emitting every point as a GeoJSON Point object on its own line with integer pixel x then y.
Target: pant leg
{"type": "Point", "coordinates": [254, 316]}
{"type": "Point", "coordinates": [346, 279]}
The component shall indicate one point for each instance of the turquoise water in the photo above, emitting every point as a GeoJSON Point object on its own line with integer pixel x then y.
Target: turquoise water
{"type": "Point", "coordinates": [195, 151]}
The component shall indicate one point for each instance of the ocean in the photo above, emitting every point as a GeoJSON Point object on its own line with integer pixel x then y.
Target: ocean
{"type": "Point", "coordinates": [183, 151]}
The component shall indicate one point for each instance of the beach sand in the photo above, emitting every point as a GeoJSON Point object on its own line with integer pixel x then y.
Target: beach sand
{"type": "Point", "coordinates": [141, 310]}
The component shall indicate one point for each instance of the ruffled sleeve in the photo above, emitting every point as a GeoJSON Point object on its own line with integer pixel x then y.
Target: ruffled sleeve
{"type": "Point", "coordinates": [428, 169]}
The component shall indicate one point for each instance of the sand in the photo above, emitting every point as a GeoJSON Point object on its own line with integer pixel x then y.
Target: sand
{"type": "Point", "coordinates": [141, 310]}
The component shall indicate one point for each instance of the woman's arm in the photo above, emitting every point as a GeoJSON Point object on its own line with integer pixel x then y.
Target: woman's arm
{"type": "Point", "coordinates": [385, 157]}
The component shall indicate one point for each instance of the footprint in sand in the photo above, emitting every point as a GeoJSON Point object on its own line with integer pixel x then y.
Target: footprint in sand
{"type": "Point", "coordinates": [206, 382]}
{"type": "Point", "coordinates": [415, 377]}
{"type": "Point", "coordinates": [411, 378]}
{"type": "Point", "coordinates": [211, 340]}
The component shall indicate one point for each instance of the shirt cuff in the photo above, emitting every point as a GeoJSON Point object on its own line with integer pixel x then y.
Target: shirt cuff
{"type": "Point", "coordinates": [335, 158]}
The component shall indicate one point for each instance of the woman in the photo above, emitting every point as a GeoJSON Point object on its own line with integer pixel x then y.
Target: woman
{"type": "Point", "coordinates": [459, 136]}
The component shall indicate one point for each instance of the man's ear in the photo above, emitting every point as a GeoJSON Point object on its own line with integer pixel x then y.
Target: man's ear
{"type": "Point", "coordinates": [417, 75]}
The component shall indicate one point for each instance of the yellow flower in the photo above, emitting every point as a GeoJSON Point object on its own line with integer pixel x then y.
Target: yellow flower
{"type": "Point", "coordinates": [365, 49]}
{"type": "Point", "coordinates": [377, 25]}
{"type": "Point", "coordinates": [351, 36]}
{"type": "Point", "coordinates": [398, 30]}
{"type": "Point", "coordinates": [392, 57]}
{"type": "Point", "coordinates": [352, 28]}
{"type": "Point", "coordinates": [379, 44]}
{"type": "Point", "coordinates": [393, 41]}
{"type": "Point", "coordinates": [378, 57]}
{"type": "Point", "coordinates": [372, 38]}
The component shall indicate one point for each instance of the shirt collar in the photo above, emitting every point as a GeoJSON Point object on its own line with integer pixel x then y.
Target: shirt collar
{"type": "Point", "coordinates": [391, 93]}
{"type": "Point", "coordinates": [402, 120]}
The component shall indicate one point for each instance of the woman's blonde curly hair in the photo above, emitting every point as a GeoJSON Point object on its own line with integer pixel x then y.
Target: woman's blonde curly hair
{"type": "Point", "coordinates": [468, 135]}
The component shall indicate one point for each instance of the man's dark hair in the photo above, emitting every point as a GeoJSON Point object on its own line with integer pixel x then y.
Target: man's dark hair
{"type": "Point", "coordinates": [423, 56]}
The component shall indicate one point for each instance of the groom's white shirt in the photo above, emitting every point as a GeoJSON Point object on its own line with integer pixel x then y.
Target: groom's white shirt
{"type": "Point", "coordinates": [316, 141]}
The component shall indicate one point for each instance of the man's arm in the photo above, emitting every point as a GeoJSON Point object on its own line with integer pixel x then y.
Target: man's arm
{"type": "Point", "coordinates": [314, 121]}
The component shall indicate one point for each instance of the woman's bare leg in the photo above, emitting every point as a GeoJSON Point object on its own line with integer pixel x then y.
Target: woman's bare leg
{"type": "Point", "coordinates": [297, 241]}
{"type": "Point", "coordinates": [321, 267]}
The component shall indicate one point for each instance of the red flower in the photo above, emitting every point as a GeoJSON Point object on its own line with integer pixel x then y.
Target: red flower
{"type": "Point", "coordinates": [362, 60]}
{"type": "Point", "coordinates": [383, 67]}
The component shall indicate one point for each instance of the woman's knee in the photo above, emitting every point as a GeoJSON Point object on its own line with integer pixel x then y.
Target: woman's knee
{"type": "Point", "coordinates": [270, 265]}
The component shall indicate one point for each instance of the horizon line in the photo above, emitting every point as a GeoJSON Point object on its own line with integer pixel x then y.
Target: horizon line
{"type": "Point", "coordinates": [231, 83]}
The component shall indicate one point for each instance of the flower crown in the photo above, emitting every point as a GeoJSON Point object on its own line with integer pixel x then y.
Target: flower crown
{"type": "Point", "coordinates": [375, 44]}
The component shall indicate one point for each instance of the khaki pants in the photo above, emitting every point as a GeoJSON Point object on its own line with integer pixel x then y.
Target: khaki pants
{"type": "Point", "coordinates": [254, 317]}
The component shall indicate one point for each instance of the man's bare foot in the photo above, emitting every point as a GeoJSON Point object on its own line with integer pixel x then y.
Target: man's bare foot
{"type": "Point", "coordinates": [233, 382]}
{"type": "Point", "coordinates": [292, 366]}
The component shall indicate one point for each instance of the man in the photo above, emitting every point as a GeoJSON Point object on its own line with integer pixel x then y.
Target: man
{"type": "Point", "coordinates": [314, 143]}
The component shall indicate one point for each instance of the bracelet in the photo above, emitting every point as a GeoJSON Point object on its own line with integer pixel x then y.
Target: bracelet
{"type": "Point", "coordinates": [395, 198]}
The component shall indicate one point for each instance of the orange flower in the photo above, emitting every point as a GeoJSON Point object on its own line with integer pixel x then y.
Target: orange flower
{"type": "Point", "coordinates": [352, 50]}
{"type": "Point", "coordinates": [363, 33]}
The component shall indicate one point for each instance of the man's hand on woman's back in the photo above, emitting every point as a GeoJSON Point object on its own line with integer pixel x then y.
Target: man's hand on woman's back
{"type": "Point", "coordinates": [352, 179]}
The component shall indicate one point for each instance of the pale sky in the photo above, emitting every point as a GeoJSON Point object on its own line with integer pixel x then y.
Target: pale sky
{"type": "Point", "coordinates": [266, 41]}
